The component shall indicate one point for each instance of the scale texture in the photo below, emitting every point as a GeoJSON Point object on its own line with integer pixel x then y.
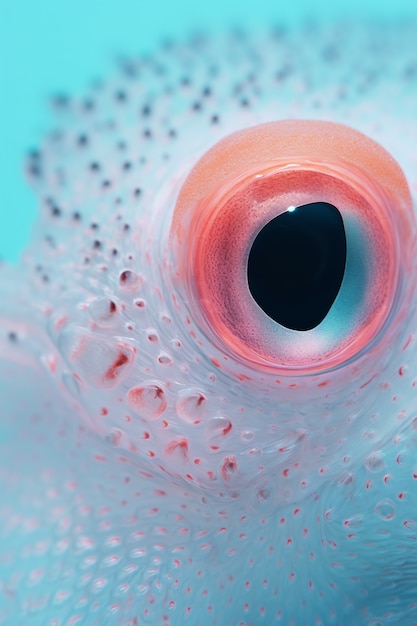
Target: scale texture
{"type": "Point", "coordinates": [147, 477]}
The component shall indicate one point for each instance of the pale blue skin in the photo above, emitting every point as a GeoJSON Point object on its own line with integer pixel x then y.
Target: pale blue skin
{"type": "Point", "coordinates": [102, 519]}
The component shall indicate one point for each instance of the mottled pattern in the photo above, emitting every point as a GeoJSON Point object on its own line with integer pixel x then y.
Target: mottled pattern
{"type": "Point", "coordinates": [148, 478]}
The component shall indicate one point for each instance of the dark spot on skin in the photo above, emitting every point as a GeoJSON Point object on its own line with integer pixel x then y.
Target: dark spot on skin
{"type": "Point", "coordinates": [214, 119]}
{"type": "Point", "coordinates": [34, 154]}
{"type": "Point", "coordinates": [126, 227]}
{"type": "Point", "coordinates": [82, 140]}
{"type": "Point", "coordinates": [12, 337]}
{"type": "Point", "coordinates": [112, 307]}
{"type": "Point", "coordinates": [34, 170]}
{"type": "Point", "coordinates": [127, 165]}
{"type": "Point", "coordinates": [76, 216]}
{"type": "Point", "coordinates": [94, 166]}
{"type": "Point", "coordinates": [137, 192]}
{"type": "Point", "coordinates": [196, 106]}
{"type": "Point", "coordinates": [94, 226]}
{"type": "Point", "coordinates": [147, 133]}
{"type": "Point", "coordinates": [206, 91]}
{"type": "Point", "coordinates": [106, 183]}
{"type": "Point", "coordinates": [120, 96]}
{"type": "Point", "coordinates": [129, 69]}
{"type": "Point", "coordinates": [96, 244]}
{"type": "Point", "coordinates": [410, 71]}
{"type": "Point", "coordinates": [244, 102]}
{"type": "Point", "coordinates": [60, 101]}
{"type": "Point", "coordinates": [88, 104]}
{"type": "Point", "coordinates": [146, 110]}
{"type": "Point", "coordinates": [283, 73]}
{"type": "Point", "coordinates": [172, 133]}
{"type": "Point", "coordinates": [114, 252]}
{"type": "Point", "coordinates": [54, 208]}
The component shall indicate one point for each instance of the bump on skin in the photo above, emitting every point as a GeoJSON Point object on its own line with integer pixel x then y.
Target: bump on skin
{"type": "Point", "coordinates": [146, 477]}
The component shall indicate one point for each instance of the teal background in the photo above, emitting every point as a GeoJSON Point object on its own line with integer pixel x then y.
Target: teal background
{"type": "Point", "coordinates": [50, 46]}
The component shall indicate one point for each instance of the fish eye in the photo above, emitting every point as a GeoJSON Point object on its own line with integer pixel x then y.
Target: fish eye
{"type": "Point", "coordinates": [291, 239]}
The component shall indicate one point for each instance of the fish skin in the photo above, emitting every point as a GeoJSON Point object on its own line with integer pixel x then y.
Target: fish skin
{"type": "Point", "coordinates": [146, 478]}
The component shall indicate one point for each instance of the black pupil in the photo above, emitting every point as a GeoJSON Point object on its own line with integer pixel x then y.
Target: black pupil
{"type": "Point", "coordinates": [296, 265]}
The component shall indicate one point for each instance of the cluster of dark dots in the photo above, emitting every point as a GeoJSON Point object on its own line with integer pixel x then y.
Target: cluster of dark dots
{"type": "Point", "coordinates": [53, 207]}
{"type": "Point", "coordinates": [133, 70]}
{"type": "Point", "coordinates": [244, 88]}
{"type": "Point", "coordinates": [43, 275]}
{"type": "Point", "coordinates": [60, 101]}
{"type": "Point", "coordinates": [34, 164]}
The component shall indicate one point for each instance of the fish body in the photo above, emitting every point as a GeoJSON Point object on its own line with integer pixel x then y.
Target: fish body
{"type": "Point", "coordinates": [150, 473]}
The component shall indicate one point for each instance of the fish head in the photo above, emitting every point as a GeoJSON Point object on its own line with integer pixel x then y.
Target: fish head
{"type": "Point", "coordinates": [168, 343]}
{"type": "Point", "coordinates": [217, 327]}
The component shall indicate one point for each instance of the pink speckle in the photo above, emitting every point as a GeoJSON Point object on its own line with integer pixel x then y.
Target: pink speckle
{"type": "Point", "coordinates": [229, 467]}
{"type": "Point", "coordinates": [178, 447]}
{"type": "Point", "coordinates": [113, 371]}
{"type": "Point", "coordinates": [147, 400]}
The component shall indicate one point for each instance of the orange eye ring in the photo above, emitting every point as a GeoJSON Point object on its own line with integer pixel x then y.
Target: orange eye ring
{"type": "Point", "coordinates": [254, 175]}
